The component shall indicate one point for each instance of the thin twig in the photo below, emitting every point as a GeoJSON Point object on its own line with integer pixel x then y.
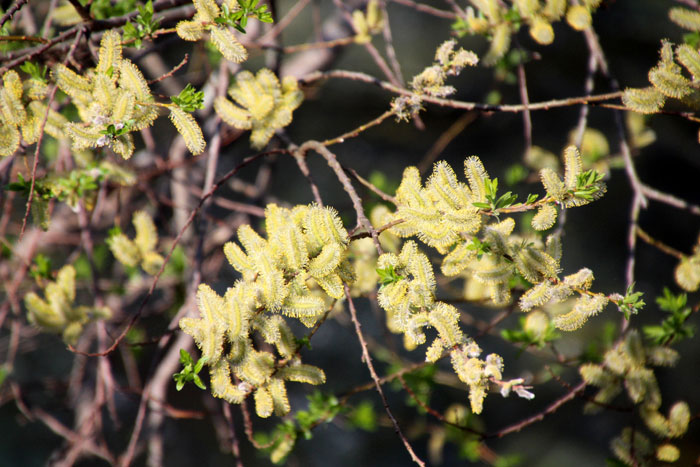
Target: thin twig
{"type": "Point", "coordinates": [660, 196]}
{"type": "Point", "coordinates": [354, 133]}
{"type": "Point", "coordinates": [515, 108]}
{"type": "Point", "coordinates": [12, 10]}
{"type": "Point", "coordinates": [445, 139]}
{"type": "Point", "coordinates": [347, 185]}
{"type": "Point", "coordinates": [550, 409]}
{"type": "Point", "coordinates": [284, 22]}
{"type": "Point", "coordinates": [171, 72]}
{"type": "Point", "coordinates": [367, 359]}
{"type": "Point", "coordinates": [659, 245]}
{"type": "Point", "coordinates": [389, 44]}
{"type": "Point", "coordinates": [525, 100]}
{"type": "Point", "coordinates": [372, 188]}
{"type": "Point", "coordinates": [587, 89]}
{"type": "Point", "coordinates": [434, 412]}
{"type": "Point", "coordinates": [52, 96]}
{"type": "Point", "coordinates": [427, 9]}
{"type": "Point", "coordinates": [235, 448]}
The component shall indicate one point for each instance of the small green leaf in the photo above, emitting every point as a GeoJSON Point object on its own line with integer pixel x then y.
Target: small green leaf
{"type": "Point", "coordinates": [388, 275]}
{"type": "Point", "coordinates": [189, 99]}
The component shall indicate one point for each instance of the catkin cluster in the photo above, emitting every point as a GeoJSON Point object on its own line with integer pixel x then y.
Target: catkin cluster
{"type": "Point", "coordinates": [501, 20]}
{"type": "Point", "coordinates": [114, 100]}
{"type": "Point", "coordinates": [57, 312]}
{"type": "Point", "coordinates": [299, 271]}
{"type": "Point", "coordinates": [22, 113]}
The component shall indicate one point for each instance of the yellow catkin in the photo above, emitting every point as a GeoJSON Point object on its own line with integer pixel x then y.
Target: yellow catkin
{"type": "Point", "coordinates": [187, 126]}
{"type": "Point", "coordinates": [227, 43]}
{"type": "Point", "coordinates": [541, 31]}
{"type": "Point", "coordinates": [579, 17]}
{"type": "Point", "coordinates": [110, 53]}
{"type": "Point", "coordinates": [644, 100]}
{"type": "Point", "coordinates": [685, 18]}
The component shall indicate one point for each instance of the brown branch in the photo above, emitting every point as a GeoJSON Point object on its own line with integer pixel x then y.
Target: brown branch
{"type": "Point", "coordinates": [445, 139]}
{"type": "Point", "coordinates": [57, 427]}
{"type": "Point", "coordinates": [427, 9]}
{"type": "Point", "coordinates": [171, 72]}
{"type": "Point", "coordinates": [525, 100]}
{"type": "Point", "coordinates": [544, 105]}
{"type": "Point", "coordinates": [353, 133]}
{"type": "Point", "coordinates": [389, 44]}
{"type": "Point", "coordinates": [372, 188]}
{"type": "Point", "coordinates": [12, 10]}
{"type": "Point", "coordinates": [23, 39]}
{"type": "Point", "coordinates": [377, 384]}
{"type": "Point", "coordinates": [550, 409]}
{"type": "Point", "coordinates": [656, 195]}
{"type": "Point", "coordinates": [347, 185]}
{"type": "Point", "coordinates": [434, 412]}
{"type": "Point", "coordinates": [235, 448]}
{"type": "Point", "coordinates": [658, 244]}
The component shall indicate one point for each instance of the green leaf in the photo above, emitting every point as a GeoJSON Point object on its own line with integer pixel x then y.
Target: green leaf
{"type": "Point", "coordinates": [189, 99]}
{"type": "Point", "coordinates": [4, 371]}
{"type": "Point", "coordinates": [388, 275]}
{"type": "Point", "coordinates": [631, 303]}
{"type": "Point", "coordinates": [363, 416]}
{"type": "Point", "coordinates": [41, 267]}
{"type": "Point", "coordinates": [189, 371]}
{"type": "Point", "coordinates": [37, 72]}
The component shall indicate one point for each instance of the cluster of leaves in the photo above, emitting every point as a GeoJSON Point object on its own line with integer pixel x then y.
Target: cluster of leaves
{"type": "Point", "coordinates": [626, 365]}
{"type": "Point", "coordinates": [190, 371]}
{"type": "Point", "coordinates": [237, 17]}
{"type": "Point", "coordinates": [57, 313]}
{"type": "Point", "coordinates": [299, 272]}
{"type": "Point", "coordinates": [78, 185]}
{"type": "Point", "coordinates": [142, 249]}
{"type": "Point", "coordinates": [675, 327]}
{"type": "Point", "coordinates": [262, 104]}
{"type": "Point", "coordinates": [189, 99]}
{"type": "Point", "coordinates": [322, 408]}
{"type": "Point", "coordinates": [215, 20]}
{"type": "Point", "coordinates": [499, 21]}
{"type": "Point", "coordinates": [144, 26]}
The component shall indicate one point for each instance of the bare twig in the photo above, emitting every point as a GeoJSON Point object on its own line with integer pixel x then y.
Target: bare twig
{"type": "Point", "coordinates": [52, 96]}
{"type": "Point", "coordinates": [372, 188]}
{"type": "Point", "coordinates": [550, 409]}
{"type": "Point", "coordinates": [427, 9]}
{"type": "Point", "coordinates": [445, 139]}
{"type": "Point", "coordinates": [12, 10]}
{"type": "Point", "coordinates": [545, 105]}
{"type": "Point", "coordinates": [658, 244]}
{"type": "Point", "coordinates": [525, 100]}
{"type": "Point", "coordinates": [347, 185]}
{"type": "Point", "coordinates": [377, 384]}
{"type": "Point", "coordinates": [171, 72]}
